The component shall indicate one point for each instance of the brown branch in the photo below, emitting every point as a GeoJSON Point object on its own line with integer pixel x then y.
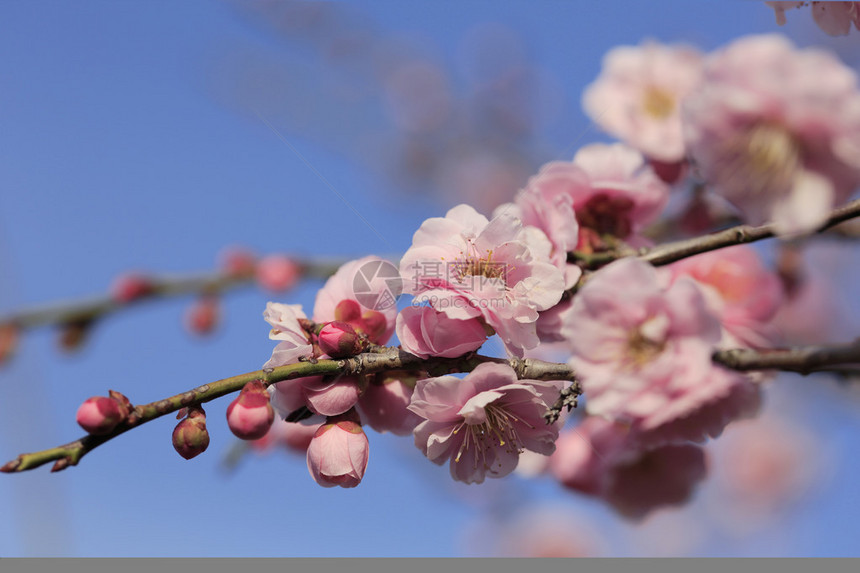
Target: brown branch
{"type": "Point", "coordinates": [803, 360]}
{"type": "Point", "coordinates": [161, 287]}
{"type": "Point", "coordinates": [387, 359]}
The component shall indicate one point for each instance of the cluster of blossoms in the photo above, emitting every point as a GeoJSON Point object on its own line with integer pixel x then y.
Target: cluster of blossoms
{"type": "Point", "coordinates": [773, 130]}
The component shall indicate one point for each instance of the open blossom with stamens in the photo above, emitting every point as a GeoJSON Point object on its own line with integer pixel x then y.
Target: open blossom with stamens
{"type": "Point", "coordinates": [638, 96]}
{"type": "Point", "coordinates": [643, 356]}
{"type": "Point", "coordinates": [776, 131]}
{"type": "Point", "coordinates": [482, 423]}
{"type": "Point", "coordinates": [468, 266]}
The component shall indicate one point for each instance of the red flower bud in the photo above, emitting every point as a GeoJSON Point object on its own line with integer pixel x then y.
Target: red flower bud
{"type": "Point", "coordinates": [278, 273]}
{"type": "Point", "coordinates": [339, 339]}
{"type": "Point", "coordinates": [8, 341]}
{"type": "Point", "coordinates": [130, 287]}
{"type": "Point", "coordinates": [190, 437]}
{"type": "Point", "coordinates": [238, 262]}
{"type": "Point", "coordinates": [99, 415]}
{"type": "Point", "coordinates": [251, 415]}
{"type": "Point", "coordinates": [202, 316]}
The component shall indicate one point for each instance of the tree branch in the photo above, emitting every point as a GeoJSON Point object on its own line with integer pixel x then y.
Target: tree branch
{"type": "Point", "coordinates": [674, 251]}
{"type": "Point", "coordinates": [388, 359]}
{"type": "Point", "coordinates": [162, 286]}
{"type": "Point", "coordinates": [803, 360]}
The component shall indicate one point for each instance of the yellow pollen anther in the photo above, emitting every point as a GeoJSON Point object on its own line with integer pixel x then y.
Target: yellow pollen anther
{"type": "Point", "coordinates": [658, 103]}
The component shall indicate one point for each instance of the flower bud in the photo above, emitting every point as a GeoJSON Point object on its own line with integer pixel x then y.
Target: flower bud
{"type": "Point", "coordinates": [190, 437]}
{"type": "Point", "coordinates": [202, 316]}
{"type": "Point", "coordinates": [8, 341]}
{"type": "Point", "coordinates": [73, 334]}
{"type": "Point", "coordinates": [237, 262]}
{"type": "Point", "coordinates": [99, 415]}
{"type": "Point", "coordinates": [251, 415]}
{"type": "Point", "coordinates": [339, 340]}
{"type": "Point", "coordinates": [337, 454]}
{"type": "Point", "coordinates": [278, 273]}
{"type": "Point", "coordinates": [130, 287]}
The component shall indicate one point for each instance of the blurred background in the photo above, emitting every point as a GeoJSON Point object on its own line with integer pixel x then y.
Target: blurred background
{"type": "Point", "coordinates": [148, 136]}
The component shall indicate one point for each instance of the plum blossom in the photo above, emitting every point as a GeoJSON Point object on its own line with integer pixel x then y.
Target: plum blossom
{"type": "Point", "coordinates": [638, 95]}
{"type": "Point", "coordinates": [371, 310]}
{"type": "Point", "coordinates": [467, 267]}
{"type": "Point", "coordinates": [739, 290]}
{"type": "Point", "coordinates": [834, 18]}
{"type": "Point", "coordinates": [483, 422]}
{"type": "Point", "coordinates": [776, 131]}
{"type": "Point", "coordinates": [385, 402]}
{"type": "Point", "coordinates": [293, 339]}
{"type": "Point", "coordinates": [624, 194]}
{"type": "Point", "coordinates": [426, 332]}
{"type": "Point", "coordinates": [605, 459]}
{"type": "Point", "coordinates": [643, 356]}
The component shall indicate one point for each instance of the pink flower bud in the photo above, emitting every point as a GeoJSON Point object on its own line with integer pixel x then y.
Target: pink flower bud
{"type": "Point", "coordinates": [99, 415]}
{"type": "Point", "coordinates": [278, 273]}
{"type": "Point", "coordinates": [203, 315]}
{"type": "Point", "coordinates": [337, 454]}
{"type": "Point", "coordinates": [237, 262]}
{"type": "Point", "coordinates": [190, 437]}
{"type": "Point", "coordinates": [130, 287]}
{"type": "Point", "coordinates": [251, 415]}
{"type": "Point", "coordinates": [339, 340]}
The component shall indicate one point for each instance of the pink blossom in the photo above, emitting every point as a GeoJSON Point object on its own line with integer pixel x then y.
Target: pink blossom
{"type": "Point", "coordinates": [643, 355]}
{"type": "Point", "coordinates": [624, 193]}
{"type": "Point", "coordinates": [339, 339]}
{"type": "Point", "coordinates": [293, 340]}
{"type": "Point", "coordinates": [739, 290]}
{"type": "Point", "coordinates": [425, 332]}
{"type": "Point", "coordinates": [776, 131]}
{"type": "Point", "coordinates": [293, 436]}
{"type": "Point", "coordinates": [362, 293]}
{"type": "Point", "coordinates": [835, 18]}
{"type": "Point", "coordinates": [607, 460]}
{"type": "Point", "coordinates": [483, 421]}
{"type": "Point", "coordinates": [467, 266]}
{"type": "Point", "coordinates": [99, 415]}
{"type": "Point", "coordinates": [638, 95]}
{"type": "Point", "coordinates": [324, 395]}
{"type": "Point", "coordinates": [384, 404]}
{"type": "Point", "coordinates": [337, 454]}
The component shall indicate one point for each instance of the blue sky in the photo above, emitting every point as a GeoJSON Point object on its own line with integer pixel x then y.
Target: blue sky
{"type": "Point", "coordinates": [131, 138]}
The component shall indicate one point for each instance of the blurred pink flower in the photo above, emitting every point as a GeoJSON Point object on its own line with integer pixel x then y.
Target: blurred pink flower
{"type": "Point", "coordinates": [322, 395]}
{"type": "Point", "coordinates": [426, 332]}
{"type": "Point", "coordinates": [606, 460]}
{"type": "Point", "coordinates": [637, 97]}
{"type": "Point", "coordinates": [384, 404]}
{"type": "Point", "coordinates": [467, 266]}
{"type": "Point", "coordinates": [292, 435]}
{"type": "Point", "coordinates": [362, 293]}
{"type": "Point", "coordinates": [294, 342]}
{"type": "Point", "coordinates": [482, 422]}
{"type": "Point", "coordinates": [835, 18]}
{"type": "Point", "coordinates": [643, 356]}
{"type": "Point", "coordinates": [776, 131]}
{"type": "Point", "coordinates": [337, 454]}
{"type": "Point", "coordinates": [739, 290]}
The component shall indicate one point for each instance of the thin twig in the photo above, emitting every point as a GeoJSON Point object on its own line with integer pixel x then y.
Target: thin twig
{"type": "Point", "coordinates": [390, 359]}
